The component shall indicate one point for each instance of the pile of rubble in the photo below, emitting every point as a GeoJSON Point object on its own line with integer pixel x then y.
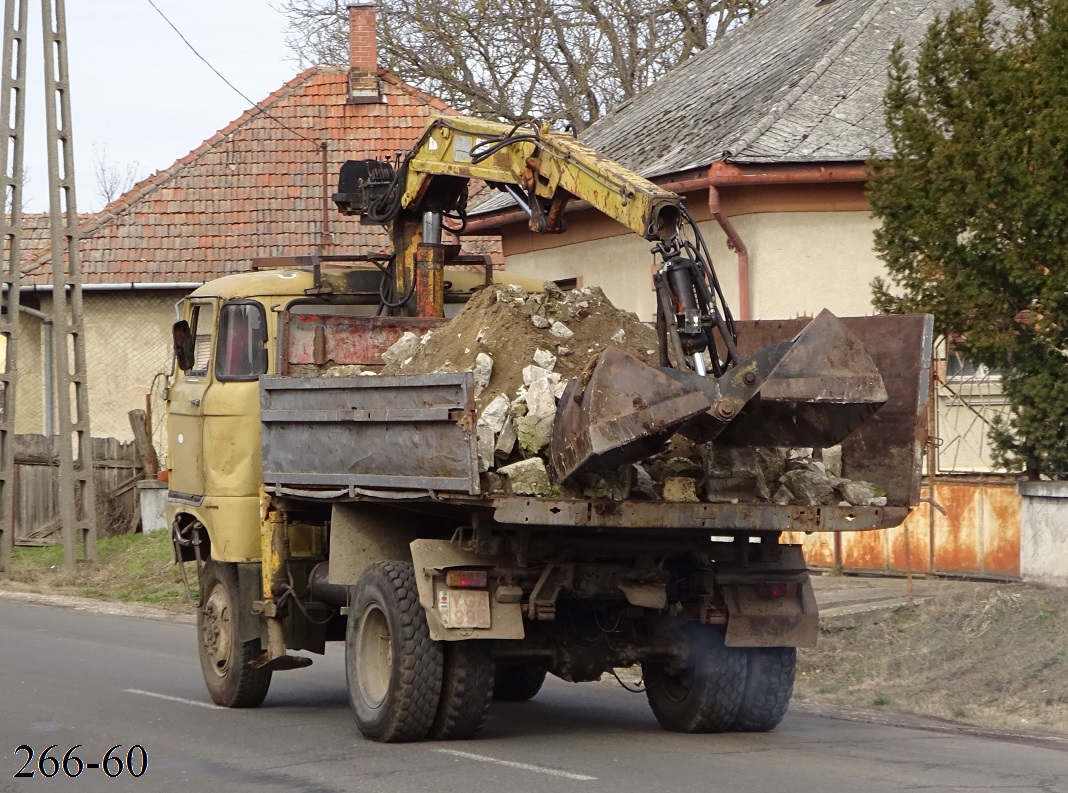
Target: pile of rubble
{"type": "Point", "coordinates": [523, 348]}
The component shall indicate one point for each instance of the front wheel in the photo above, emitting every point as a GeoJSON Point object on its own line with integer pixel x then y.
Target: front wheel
{"type": "Point", "coordinates": [392, 666]}
{"type": "Point", "coordinates": [224, 658]}
{"type": "Point", "coordinates": [702, 690]}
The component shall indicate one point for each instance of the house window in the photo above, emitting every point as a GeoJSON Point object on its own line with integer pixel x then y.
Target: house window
{"type": "Point", "coordinates": [240, 353]}
{"type": "Point", "coordinates": [203, 322]}
{"type": "Point", "coordinates": [567, 284]}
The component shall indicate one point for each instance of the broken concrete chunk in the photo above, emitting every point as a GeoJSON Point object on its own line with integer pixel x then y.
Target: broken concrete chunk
{"type": "Point", "coordinates": [562, 351]}
{"type": "Point", "coordinates": [491, 482]}
{"type": "Point", "coordinates": [495, 414]}
{"type": "Point", "coordinates": [536, 428]}
{"type": "Point", "coordinates": [483, 371]}
{"type": "Point", "coordinates": [680, 488]}
{"type": "Point", "coordinates": [733, 474]}
{"type": "Point", "coordinates": [545, 359]}
{"type": "Point", "coordinates": [561, 331]}
{"type": "Point", "coordinates": [832, 460]}
{"type": "Point", "coordinates": [485, 448]}
{"type": "Point", "coordinates": [506, 440]}
{"type": "Point", "coordinates": [527, 477]}
{"type": "Point", "coordinates": [515, 290]}
{"type": "Point", "coordinates": [559, 388]}
{"type": "Point", "coordinates": [610, 485]}
{"type": "Point", "coordinates": [402, 349]}
{"type": "Point", "coordinates": [619, 337]}
{"type": "Point", "coordinates": [811, 488]}
{"type": "Point", "coordinates": [861, 494]}
{"type": "Point", "coordinates": [533, 372]}
{"type": "Point", "coordinates": [539, 321]}
{"type": "Point", "coordinates": [782, 496]}
{"type": "Point", "coordinates": [643, 484]}
{"type": "Point", "coordinates": [343, 370]}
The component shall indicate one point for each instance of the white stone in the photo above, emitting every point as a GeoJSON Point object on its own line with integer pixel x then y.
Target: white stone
{"type": "Point", "coordinates": [545, 359]}
{"type": "Point", "coordinates": [559, 388]}
{"type": "Point", "coordinates": [532, 373]}
{"type": "Point", "coordinates": [536, 427]}
{"type": "Point", "coordinates": [495, 414]}
{"type": "Point", "coordinates": [506, 440]}
{"type": "Point", "coordinates": [527, 477]}
{"type": "Point", "coordinates": [561, 331]}
{"type": "Point", "coordinates": [485, 447]}
{"type": "Point", "coordinates": [539, 321]}
{"type": "Point", "coordinates": [619, 336]}
{"type": "Point", "coordinates": [483, 371]}
{"type": "Point", "coordinates": [402, 349]}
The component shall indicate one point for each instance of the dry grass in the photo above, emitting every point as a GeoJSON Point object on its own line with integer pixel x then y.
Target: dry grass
{"type": "Point", "coordinates": [994, 655]}
{"type": "Point", "coordinates": [131, 568]}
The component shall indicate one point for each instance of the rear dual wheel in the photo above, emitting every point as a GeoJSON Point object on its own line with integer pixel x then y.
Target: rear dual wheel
{"type": "Point", "coordinates": [403, 686]}
{"type": "Point", "coordinates": [703, 692]}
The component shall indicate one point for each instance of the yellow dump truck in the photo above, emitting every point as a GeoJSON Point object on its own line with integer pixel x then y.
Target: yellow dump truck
{"type": "Point", "coordinates": [350, 508]}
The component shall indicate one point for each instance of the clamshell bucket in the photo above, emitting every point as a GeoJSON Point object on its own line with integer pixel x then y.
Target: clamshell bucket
{"type": "Point", "coordinates": [811, 391]}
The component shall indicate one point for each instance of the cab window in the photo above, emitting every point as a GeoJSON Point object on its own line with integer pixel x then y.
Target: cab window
{"type": "Point", "coordinates": [203, 322]}
{"type": "Point", "coordinates": [241, 353]}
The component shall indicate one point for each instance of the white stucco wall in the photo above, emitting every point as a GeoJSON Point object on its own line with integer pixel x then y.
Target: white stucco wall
{"type": "Point", "coordinates": [127, 341]}
{"type": "Point", "coordinates": [1044, 532]}
{"type": "Point", "coordinates": [800, 263]}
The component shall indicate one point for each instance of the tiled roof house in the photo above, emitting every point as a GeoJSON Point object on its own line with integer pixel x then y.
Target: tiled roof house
{"type": "Point", "coordinates": [253, 189]}
{"type": "Point", "coordinates": [766, 130]}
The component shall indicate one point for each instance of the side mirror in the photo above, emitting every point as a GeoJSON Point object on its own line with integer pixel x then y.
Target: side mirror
{"type": "Point", "coordinates": [183, 345]}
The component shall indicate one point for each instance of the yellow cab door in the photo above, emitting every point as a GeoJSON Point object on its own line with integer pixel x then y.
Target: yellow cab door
{"type": "Point", "coordinates": [185, 425]}
{"type": "Point", "coordinates": [231, 406]}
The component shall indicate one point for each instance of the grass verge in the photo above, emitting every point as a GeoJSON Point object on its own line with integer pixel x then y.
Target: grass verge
{"type": "Point", "coordinates": [995, 655]}
{"type": "Point", "coordinates": [133, 568]}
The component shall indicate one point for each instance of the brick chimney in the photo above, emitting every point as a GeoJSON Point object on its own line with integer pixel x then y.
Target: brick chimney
{"type": "Point", "coordinates": [364, 85]}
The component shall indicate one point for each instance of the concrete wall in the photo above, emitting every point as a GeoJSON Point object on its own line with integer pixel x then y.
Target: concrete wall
{"type": "Point", "coordinates": [1044, 532]}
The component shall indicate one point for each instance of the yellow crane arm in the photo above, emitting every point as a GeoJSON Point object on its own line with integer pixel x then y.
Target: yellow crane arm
{"type": "Point", "coordinates": [548, 167]}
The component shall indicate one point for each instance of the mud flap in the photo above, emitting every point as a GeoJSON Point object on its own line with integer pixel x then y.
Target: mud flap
{"type": "Point", "coordinates": [432, 558]}
{"type": "Point", "coordinates": [756, 620]}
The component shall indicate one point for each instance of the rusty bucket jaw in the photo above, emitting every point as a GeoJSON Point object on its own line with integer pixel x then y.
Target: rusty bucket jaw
{"type": "Point", "coordinates": [812, 391]}
{"type": "Point", "coordinates": [624, 413]}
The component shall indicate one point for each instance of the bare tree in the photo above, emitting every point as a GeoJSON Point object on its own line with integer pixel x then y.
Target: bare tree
{"type": "Point", "coordinates": [112, 178]}
{"type": "Point", "coordinates": [560, 60]}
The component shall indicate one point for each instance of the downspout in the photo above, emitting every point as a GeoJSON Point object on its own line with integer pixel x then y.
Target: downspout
{"type": "Point", "coordinates": [735, 243]}
{"type": "Point", "coordinates": [49, 374]}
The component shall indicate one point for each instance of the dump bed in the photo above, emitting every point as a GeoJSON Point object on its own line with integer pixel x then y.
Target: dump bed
{"type": "Point", "coordinates": [363, 436]}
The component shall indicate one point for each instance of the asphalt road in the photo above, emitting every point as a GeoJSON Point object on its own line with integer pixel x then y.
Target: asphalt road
{"type": "Point", "coordinates": [68, 677]}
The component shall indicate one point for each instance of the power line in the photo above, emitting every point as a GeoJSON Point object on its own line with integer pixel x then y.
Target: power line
{"type": "Point", "coordinates": [230, 84]}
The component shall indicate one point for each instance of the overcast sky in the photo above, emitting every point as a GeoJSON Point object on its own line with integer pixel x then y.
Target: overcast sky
{"type": "Point", "coordinates": [137, 90]}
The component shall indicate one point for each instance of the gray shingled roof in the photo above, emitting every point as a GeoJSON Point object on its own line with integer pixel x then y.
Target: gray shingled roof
{"type": "Point", "coordinates": [802, 82]}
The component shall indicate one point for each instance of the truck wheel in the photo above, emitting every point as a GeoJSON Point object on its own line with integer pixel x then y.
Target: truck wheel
{"type": "Point", "coordinates": [706, 694]}
{"type": "Point", "coordinates": [224, 658]}
{"type": "Point", "coordinates": [768, 687]}
{"type": "Point", "coordinates": [392, 666]}
{"type": "Point", "coordinates": [466, 689]}
{"type": "Point", "coordinates": [518, 682]}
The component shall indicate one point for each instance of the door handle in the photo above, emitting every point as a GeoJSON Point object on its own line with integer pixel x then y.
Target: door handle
{"type": "Point", "coordinates": [194, 402]}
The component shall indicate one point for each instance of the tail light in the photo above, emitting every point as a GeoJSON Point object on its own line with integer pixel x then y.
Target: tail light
{"type": "Point", "coordinates": [467, 579]}
{"type": "Point", "coordinates": [773, 590]}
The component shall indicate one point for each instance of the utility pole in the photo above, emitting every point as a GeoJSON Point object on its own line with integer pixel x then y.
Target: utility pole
{"type": "Point", "coordinates": [77, 493]}
{"type": "Point", "coordinates": [13, 91]}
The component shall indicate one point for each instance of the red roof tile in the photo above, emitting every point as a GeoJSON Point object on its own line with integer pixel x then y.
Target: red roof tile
{"type": "Point", "coordinates": [253, 189]}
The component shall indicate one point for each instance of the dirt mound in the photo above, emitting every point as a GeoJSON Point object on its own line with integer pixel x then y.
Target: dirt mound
{"type": "Point", "coordinates": [990, 654]}
{"type": "Point", "coordinates": [511, 325]}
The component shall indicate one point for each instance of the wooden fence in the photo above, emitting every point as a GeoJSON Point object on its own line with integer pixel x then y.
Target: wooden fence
{"type": "Point", "coordinates": [116, 471]}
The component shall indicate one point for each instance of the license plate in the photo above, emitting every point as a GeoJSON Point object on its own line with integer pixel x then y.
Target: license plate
{"type": "Point", "coordinates": [464, 608]}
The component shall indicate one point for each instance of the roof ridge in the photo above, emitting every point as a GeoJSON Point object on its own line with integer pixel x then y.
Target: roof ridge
{"type": "Point", "coordinates": [822, 65]}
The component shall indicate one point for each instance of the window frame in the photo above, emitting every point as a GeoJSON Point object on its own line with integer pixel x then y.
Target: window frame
{"type": "Point", "coordinates": [228, 378]}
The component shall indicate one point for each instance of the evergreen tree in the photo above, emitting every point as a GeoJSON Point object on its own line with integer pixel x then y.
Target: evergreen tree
{"type": "Point", "coordinates": [974, 207]}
